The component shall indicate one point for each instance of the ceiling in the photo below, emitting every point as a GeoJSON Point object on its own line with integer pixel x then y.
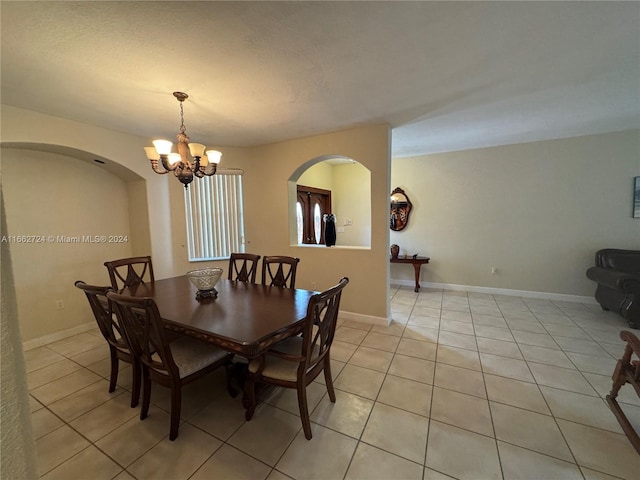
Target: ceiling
{"type": "Point", "coordinates": [445, 75]}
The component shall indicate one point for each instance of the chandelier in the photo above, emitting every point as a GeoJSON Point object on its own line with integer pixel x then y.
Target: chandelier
{"type": "Point", "coordinates": [179, 163]}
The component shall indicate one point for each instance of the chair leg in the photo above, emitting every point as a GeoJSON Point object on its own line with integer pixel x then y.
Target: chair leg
{"type": "Point", "coordinates": [114, 371]}
{"type": "Point", "coordinates": [627, 428]}
{"type": "Point", "coordinates": [618, 380]}
{"type": "Point", "coordinates": [250, 394]}
{"type": "Point", "coordinates": [146, 393]}
{"type": "Point", "coordinates": [328, 379]}
{"type": "Point", "coordinates": [135, 388]}
{"type": "Point", "coordinates": [176, 406]}
{"type": "Point", "coordinates": [229, 371]}
{"type": "Point", "coordinates": [304, 411]}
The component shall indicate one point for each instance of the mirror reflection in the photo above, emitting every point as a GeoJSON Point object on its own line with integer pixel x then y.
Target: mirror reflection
{"type": "Point", "coordinates": [400, 209]}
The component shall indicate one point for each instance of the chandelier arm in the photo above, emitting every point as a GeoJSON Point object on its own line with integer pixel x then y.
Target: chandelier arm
{"type": "Point", "coordinates": [167, 166]}
{"type": "Point", "coordinates": [154, 167]}
{"type": "Point", "coordinates": [210, 171]}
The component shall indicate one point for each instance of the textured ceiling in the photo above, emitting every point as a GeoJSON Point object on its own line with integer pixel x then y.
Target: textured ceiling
{"type": "Point", "coordinates": [445, 75]}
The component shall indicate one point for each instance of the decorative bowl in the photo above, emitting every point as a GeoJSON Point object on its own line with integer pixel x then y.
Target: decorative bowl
{"type": "Point", "coordinates": [205, 280]}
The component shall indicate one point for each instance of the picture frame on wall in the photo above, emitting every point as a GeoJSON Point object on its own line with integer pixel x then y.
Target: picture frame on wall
{"type": "Point", "coordinates": [636, 197]}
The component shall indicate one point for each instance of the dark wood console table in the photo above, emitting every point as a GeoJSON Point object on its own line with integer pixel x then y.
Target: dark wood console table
{"type": "Point", "coordinates": [417, 264]}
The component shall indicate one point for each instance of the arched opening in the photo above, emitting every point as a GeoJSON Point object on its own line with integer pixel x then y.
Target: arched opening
{"type": "Point", "coordinates": [63, 225]}
{"type": "Point", "coordinates": [330, 184]}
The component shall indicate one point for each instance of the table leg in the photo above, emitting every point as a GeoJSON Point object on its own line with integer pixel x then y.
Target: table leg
{"type": "Point", "coordinates": [416, 267]}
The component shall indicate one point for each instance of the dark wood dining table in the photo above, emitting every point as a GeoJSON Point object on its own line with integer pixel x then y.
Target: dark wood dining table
{"type": "Point", "coordinates": [245, 318]}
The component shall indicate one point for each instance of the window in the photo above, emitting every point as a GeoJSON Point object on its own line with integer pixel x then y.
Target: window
{"type": "Point", "coordinates": [215, 220]}
{"type": "Point", "coordinates": [312, 204]}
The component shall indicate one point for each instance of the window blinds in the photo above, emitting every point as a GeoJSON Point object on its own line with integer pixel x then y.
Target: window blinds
{"type": "Point", "coordinates": [215, 220]}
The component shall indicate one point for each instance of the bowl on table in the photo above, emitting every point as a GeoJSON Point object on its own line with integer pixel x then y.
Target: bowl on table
{"type": "Point", "coordinates": [205, 280]}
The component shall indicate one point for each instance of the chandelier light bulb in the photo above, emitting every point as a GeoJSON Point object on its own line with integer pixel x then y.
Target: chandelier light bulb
{"type": "Point", "coordinates": [152, 153]}
{"type": "Point", "coordinates": [163, 147]}
{"type": "Point", "coordinates": [214, 156]}
{"type": "Point", "coordinates": [174, 158]}
{"type": "Point", "coordinates": [196, 149]}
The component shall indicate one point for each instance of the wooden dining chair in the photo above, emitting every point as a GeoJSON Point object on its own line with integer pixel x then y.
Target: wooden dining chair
{"type": "Point", "coordinates": [243, 267]}
{"type": "Point", "coordinates": [279, 271]}
{"type": "Point", "coordinates": [113, 333]}
{"type": "Point", "coordinates": [171, 365]}
{"type": "Point", "coordinates": [296, 361]}
{"type": "Point", "coordinates": [129, 272]}
{"type": "Point", "coordinates": [627, 371]}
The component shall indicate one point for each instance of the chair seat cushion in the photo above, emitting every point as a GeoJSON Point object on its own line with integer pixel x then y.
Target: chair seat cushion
{"type": "Point", "coordinates": [191, 355]}
{"type": "Point", "coordinates": [278, 368]}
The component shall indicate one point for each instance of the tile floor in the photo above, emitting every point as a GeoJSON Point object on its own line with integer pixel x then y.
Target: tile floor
{"type": "Point", "coordinates": [464, 386]}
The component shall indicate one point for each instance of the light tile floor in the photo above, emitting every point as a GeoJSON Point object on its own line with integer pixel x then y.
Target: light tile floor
{"type": "Point", "coordinates": [461, 385]}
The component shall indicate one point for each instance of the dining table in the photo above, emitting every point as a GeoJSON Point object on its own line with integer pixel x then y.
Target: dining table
{"type": "Point", "coordinates": [244, 318]}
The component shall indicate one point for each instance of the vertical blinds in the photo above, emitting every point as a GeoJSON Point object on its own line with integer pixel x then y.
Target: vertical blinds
{"type": "Point", "coordinates": [215, 220]}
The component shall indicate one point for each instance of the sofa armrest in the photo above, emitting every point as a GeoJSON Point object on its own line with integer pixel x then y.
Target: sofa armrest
{"type": "Point", "coordinates": [625, 282]}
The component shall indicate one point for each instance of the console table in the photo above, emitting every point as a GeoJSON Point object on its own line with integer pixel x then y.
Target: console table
{"type": "Point", "coordinates": [417, 264]}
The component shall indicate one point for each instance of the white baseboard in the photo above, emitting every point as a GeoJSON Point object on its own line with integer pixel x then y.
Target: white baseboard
{"type": "Point", "coordinates": [561, 297]}
{"type": "Point", "coordinates": [370, 319]}
{"type": "Point", "coordinates": [54, 337]}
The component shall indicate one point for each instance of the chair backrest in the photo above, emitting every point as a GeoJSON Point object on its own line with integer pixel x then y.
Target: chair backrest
{"type": "Point", "coordinates": [129, 272]}
{"type": "Point", "coordinates": [103, 311]}
{"type": "Point", "coordinates": [320, 324]}
{"type": "Point", "coordinates": [243, 267]}
{"type": "Point", "coordinates": [279, 271]}
{"type": "Point", "coordinates": [145, 332]}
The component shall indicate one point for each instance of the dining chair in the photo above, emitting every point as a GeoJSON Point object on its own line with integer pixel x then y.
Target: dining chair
{"type": "Point", "coordinates": [113, 333]}
{"type": "Point", "coordinates": [627, 370]}
{"type": "Point", "coordinates": [171, 365]}
{"type": "Point", "coordinates": [296, 361]}
{"type": "Point", "coordinates": [129, 272]}
{"type": "Point", "coordinates": [243, 267]}
{"type": "Point", "coordinates": [279, 271]}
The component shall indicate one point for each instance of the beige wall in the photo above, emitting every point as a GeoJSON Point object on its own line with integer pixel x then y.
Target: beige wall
{"type": "Point", "coordinates": [73, 200]}
{"type": "Point", "coordinates": [138, 218]}
{"type": "Point", "coordinates": [536, 211]}
{"type": "Point", "coordinates": [319, 175]}
{"type": "Point", "coordinates": [352, 186]}
{"type": "Point", "coordinates": [268, 229]}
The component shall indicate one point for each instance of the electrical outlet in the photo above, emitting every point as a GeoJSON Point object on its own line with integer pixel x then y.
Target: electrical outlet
{"type": "Point", "coordinates": [59, 304]}
{"type": "Point", "coordinates": [494, 270]}
{"type": "Point", "coordinates": [313, 285]}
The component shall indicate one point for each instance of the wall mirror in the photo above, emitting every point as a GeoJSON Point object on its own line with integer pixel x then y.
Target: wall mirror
{"type": "Point", "coordinates": [400, 209]}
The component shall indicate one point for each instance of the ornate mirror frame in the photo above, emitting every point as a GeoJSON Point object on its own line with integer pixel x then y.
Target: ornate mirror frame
{"type": "Point", "coordinates": [400, 209]}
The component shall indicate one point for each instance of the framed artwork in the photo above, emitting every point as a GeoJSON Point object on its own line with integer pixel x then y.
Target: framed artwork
{"type": "Point", "coordinates": [636, 197]}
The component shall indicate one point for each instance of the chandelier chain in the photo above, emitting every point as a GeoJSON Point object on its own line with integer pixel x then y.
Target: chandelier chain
{"type": "Point", "coordinates": [183, 129]}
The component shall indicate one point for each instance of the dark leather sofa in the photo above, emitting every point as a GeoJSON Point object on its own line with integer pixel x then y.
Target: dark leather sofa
{"type": "Point", "coordinates": [617, 273]}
